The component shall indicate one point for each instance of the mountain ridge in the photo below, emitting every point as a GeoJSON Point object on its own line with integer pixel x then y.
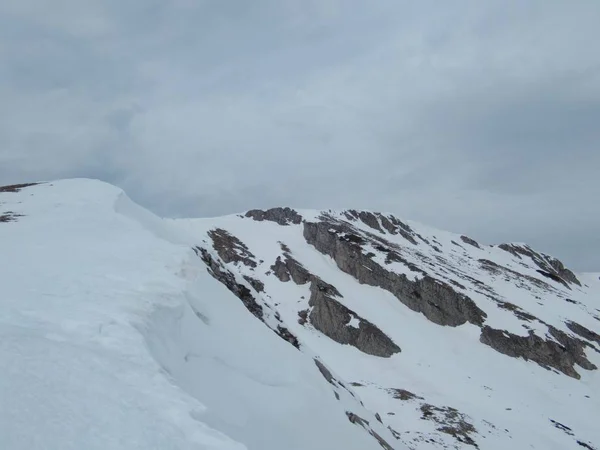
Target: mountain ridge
{"type": "Point", "coordinates": [424, 338]}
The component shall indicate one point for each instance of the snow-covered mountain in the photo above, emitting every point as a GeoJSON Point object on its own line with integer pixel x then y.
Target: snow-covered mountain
{"type": "Point", "coordinates": [283, 329]}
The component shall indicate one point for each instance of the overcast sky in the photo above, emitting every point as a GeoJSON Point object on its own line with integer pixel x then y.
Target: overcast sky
{"type": "Point", "coordinates": [480, 117]}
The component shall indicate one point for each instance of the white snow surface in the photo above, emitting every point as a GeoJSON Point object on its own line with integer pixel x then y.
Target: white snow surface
{"type": "Point", "coordinates": [114, 336]}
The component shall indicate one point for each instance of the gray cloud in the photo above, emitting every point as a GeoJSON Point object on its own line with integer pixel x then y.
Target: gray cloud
{"type": "Point", "coordinates": [478, 117]}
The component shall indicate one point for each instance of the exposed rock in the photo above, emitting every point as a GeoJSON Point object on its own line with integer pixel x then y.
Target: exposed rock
{"type": "Point", "coordinates": [548, 264]}
{"type": "Point", "coordinates": [303, 316]}
{"type": "Point", "coordinates": [230, 248]}
{"type": "Point", "coordinates": [468, 240]}
{"type": "Point", "coordinates": [325, 372]}
{"type": "Point", "coordinates": [9, 216]}
{"type": "Point", "coordinates": [220, 273]}
{"type": "Point", "coordinates": [286, 335]}
{"type": "Point", "coordinates": [435, 299]}
{"type": "Point", "coordinates": [520, 279]}
{"type": "Point", "coordinates": [356, 419]}
{"type": "Point", "coordinates": [329, 316]}
{"type": "Point", "coordinates": [546, 353]}
{"type": "Point", "coordinates": [281, 216]}
{"type": "Point", "coordinates": [370, 219]}
{"type": "Point", "coordinates": [258, 285]}
{"type": "Point", "coordinates": [332, 319]}
{"type": "Point", "coordinates": [451, 422]}
{"type": "Point", "coordinates": [403, 394]}
{"type": "Point", "coordinates": [290, 269]}
{"type": "Point", "coordinates": [16, 187]}
{"type": "Point", "coordinates": [583, 332]}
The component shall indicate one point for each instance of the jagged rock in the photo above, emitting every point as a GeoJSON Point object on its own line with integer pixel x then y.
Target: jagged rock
{"type": "Point", "coordinates": [583, 332]}
{"type": "Point", "coordinates": [281, 216]}
{"type": "Point", "coordinates": [290, 269]}
{"type": "Point", "coordinates": [332, 319]}
{"type": "Point", "coordinates": [451, 422]}
{"type": "Point", "coordinates": [548, 265]}
{"type": "Point", "coordinates": [546, 353]}
{"type": "Point", "coordinates": [468, 240]}
{"type": "Point", "coordinates": [325, 372]}
{"type": "Point", "coordinates": [520, 279]}
{"type": "Point", "coordinates": [258, 285]}
{"type": "Point", "coordinates": [435, 299]}
{"type": "Point", "coordinates": [286, 335]}
{"type": "Point", "coordinates": [220, 273]}
{"type": "Point", "coordinates": [230, 248]}
{"type": "Point", "coordinates": [403, 394]}
{"type": "Point", "coordinates": [370, 220]}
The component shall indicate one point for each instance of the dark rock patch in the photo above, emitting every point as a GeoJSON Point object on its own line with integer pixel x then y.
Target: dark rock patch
{"type": "Point", "coordinates": [451, 422]}
{"type": "Point", "coordinates": [517, 311]}
{"type": "Point", "coordinates": [14, 188]}
{"type": "Point", "coordinates": [357, 420]}
{"type": "Point", "coordinates": [332, 319]}
{"type": "Point", "coordinates": [434, 299]}
{"type": "Point", "coordinates": [303, 317]}
{"type": "Point", "coordinates": [9, 216]}
{"type": "Point", "coordinates": [370, 220]}
{"type": "Point", "coordinates": [289, 269]}
{"type": "Point", "coordinates": [521, 280]}
{"type": "Point", "coordinates": [583, 332]}
{"type": "Point", "coordinates": [258, 285]}
{"type": "Point", "coordinates": [544, 262]}
{"type": "Point", "coordinates": [562, 427]}
{"type": "Point", "coordinates": [403, 394]}
{"type": "Point", "coordinates": [220, 273]}
{"type": "Point", "coordinates": [281, 216]}
{"type": "Point", "coordinates": [325, 372]}
{"type": "Point", "coordinates": [547, 353]}
{"type": "Point", "coordinates": [230, 248]}
{"type": "Point", "coordinates": [468, 240]}
{"type": "Point", "coordinates": [286, 335]}
{"type": "Point", "coordinates": [552, 276]}
{"type": "Point", "coordinates": [329, 316]}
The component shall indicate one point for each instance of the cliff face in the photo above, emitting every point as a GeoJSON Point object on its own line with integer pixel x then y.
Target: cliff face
{"type": "Point", "coordinates": [458, 315]}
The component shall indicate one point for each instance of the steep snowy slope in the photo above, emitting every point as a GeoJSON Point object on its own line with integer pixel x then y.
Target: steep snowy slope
{"type": "Point", "coordinates": [114, 336]}
{"type": "Point", "coordinates": [452, 344]}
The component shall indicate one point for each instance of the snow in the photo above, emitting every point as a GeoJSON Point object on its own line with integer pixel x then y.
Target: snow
{"type": "Point", "coordinates": [447, 366]}
{"type": "Point", "coordinates": [112, 335]}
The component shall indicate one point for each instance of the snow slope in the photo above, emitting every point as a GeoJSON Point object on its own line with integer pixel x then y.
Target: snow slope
{"type": "Point", "coordinates": [114, 336]}
{"type": "Point", "coordinates": [445, 389]}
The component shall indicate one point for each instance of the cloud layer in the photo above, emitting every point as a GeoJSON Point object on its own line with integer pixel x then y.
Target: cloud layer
{"type": "Point", "coordinates": [477, 117]}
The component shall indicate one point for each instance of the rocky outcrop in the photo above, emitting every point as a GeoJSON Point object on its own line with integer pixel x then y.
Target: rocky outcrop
{"type": "Point", "coordinates": [220, 273]}
{"type": "Point", "coordinates": [357, 420]}
{"type": "Point", "coordinates": [281, 216]}
{"type": "Point", "coordinates": [333, 319]}
{"type": "Point", "coordinates": [329, 316]}
{"type": "Point", "coordinates": [472, 242]}
{"type": "Point", "coordinates": [16, 187]}
{"type": "Point", "coordinates": [562, 355]}
{"type": "Point", "coordinates": [583, 332]}
{"type": "Point", "coordinates": [451, 422]}
{"type": "Point", "coordinates": [436, 300]}
{"type": "Point", "coordinates": [549, 266]}
{"type": "Point", "coordinates": [230, 248]}
{"type": "Point", "coordinates": [9, 216]}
